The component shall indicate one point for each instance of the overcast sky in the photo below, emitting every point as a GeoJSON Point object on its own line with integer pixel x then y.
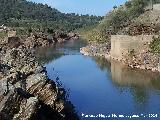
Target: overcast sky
{"type": "Point", "coordinates": [92, 7]}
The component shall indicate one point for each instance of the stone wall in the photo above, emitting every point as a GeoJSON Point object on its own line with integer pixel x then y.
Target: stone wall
{"type": "Point", "coordinates": [122, 45]}
{"type": "Point", "coordinates": [11, 33]}
{"type": "Point", "coordinates": [156, 7]}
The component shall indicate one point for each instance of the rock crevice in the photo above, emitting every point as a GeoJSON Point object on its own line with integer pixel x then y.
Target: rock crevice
{"type": "Point", "coordinates": [25, 90]}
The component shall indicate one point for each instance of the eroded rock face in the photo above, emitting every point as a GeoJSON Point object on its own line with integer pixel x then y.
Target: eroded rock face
{"type": "Point", "coordinates": [26, 93]}
{"type": "Point", "coordinates": [27, 108]}
{"type": "Point", "coordinates": [42, 39]}
{"type": "Point", "coordinates": [25, 88]}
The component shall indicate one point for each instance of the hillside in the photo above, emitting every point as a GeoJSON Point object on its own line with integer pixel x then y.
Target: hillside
{"type": "Point", "coordinates": [21, 13]}
{"type": "Point", "coordinates": [130, 34]}
{"type": "Point", "coordinates": [147, 23]}
{"type": "Point", "coordinates": [124, 16]}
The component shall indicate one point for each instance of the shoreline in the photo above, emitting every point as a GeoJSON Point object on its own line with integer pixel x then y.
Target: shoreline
{"type": "Point", "coordinates": [96, 49]}
{"type": "Point", "coordinates": [89, 51]}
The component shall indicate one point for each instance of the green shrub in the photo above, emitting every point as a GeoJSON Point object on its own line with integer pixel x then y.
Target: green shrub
{"type": "Point", "coordinates": [3, 35]}
{"type": "Point", "coordinates": [117, 19]}
{"type": "Point", "coordinates": [155, 45]}
{"type": "Point", "coordinates": [131, 53]}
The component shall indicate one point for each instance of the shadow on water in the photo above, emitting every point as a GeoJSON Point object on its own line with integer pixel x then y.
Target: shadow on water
{"type": "Point", "coordinates": [47, 113]}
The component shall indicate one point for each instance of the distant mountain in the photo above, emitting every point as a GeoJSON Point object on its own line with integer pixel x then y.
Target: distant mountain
{"type": "Point", "coordinates": [21, 13]}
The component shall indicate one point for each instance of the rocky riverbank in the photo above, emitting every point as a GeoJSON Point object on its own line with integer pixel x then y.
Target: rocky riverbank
{"type": "Point", "coordinates": [95, 49]}
{"type": "Point", "coordinates": [144, 60]}
{"type": "Point", "coordinates": [26, 93]}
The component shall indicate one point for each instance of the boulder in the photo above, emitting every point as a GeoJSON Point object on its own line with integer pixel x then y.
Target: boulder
{"type": "Point", "coordinates": [39, 86]}
{"type": "Point", "coordinates": [13, 42]}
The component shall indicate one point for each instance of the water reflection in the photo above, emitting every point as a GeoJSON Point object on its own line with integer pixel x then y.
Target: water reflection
{"type": "Point", "coordinates": [138, 82]}
{"type": "Point", "coordinates": [102, 63]}
{"type": "Point", "coordinates": [45, 55]}
{"type": "Point", "coordinates": [98, 86]}
{"type": "Point", "coordinates": [123, 75]}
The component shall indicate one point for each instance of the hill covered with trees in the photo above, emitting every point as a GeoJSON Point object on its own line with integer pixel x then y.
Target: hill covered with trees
{"type": "Point", "coordinates": [21, 13]}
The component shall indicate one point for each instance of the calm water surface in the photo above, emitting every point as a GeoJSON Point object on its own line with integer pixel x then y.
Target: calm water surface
{"type": "Point", "coordinates": [96, 86]}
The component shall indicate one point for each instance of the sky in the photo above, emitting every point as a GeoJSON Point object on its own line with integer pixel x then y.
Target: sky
{"type": "Point", "coordinates": [91, 7]}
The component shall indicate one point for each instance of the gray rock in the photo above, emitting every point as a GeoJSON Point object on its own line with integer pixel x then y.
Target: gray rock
{"type": "Point", "coordinates": [27, 109]}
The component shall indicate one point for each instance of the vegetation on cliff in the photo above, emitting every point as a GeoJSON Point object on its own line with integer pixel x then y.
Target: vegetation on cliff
{"type": "Point", "coordinates": [117, 19]}
{"type": "Point", "coordinates": [2, 35]}
{"type": "Point", "coordinates": [155, 45]}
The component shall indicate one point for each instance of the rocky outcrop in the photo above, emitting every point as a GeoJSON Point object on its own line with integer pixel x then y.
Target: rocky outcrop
{"type": "Point", "coordinates": [25, 89]}
{"type": "Point", "coordinates": [27, 108]}
{"type": "Point", "coordinates": [143, 59]}
{"type": "Point", "coordinates": [37, 39]}
{"type": "Point", "coordinates": [61, 37]}
{"type": "Point", "coordinates": [42, 39]}
{"type": "Point", "coordinates": [97, 49]}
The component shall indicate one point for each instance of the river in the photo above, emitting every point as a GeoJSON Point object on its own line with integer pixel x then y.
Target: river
{"type": "Point", "coordinates": [98, 88]}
